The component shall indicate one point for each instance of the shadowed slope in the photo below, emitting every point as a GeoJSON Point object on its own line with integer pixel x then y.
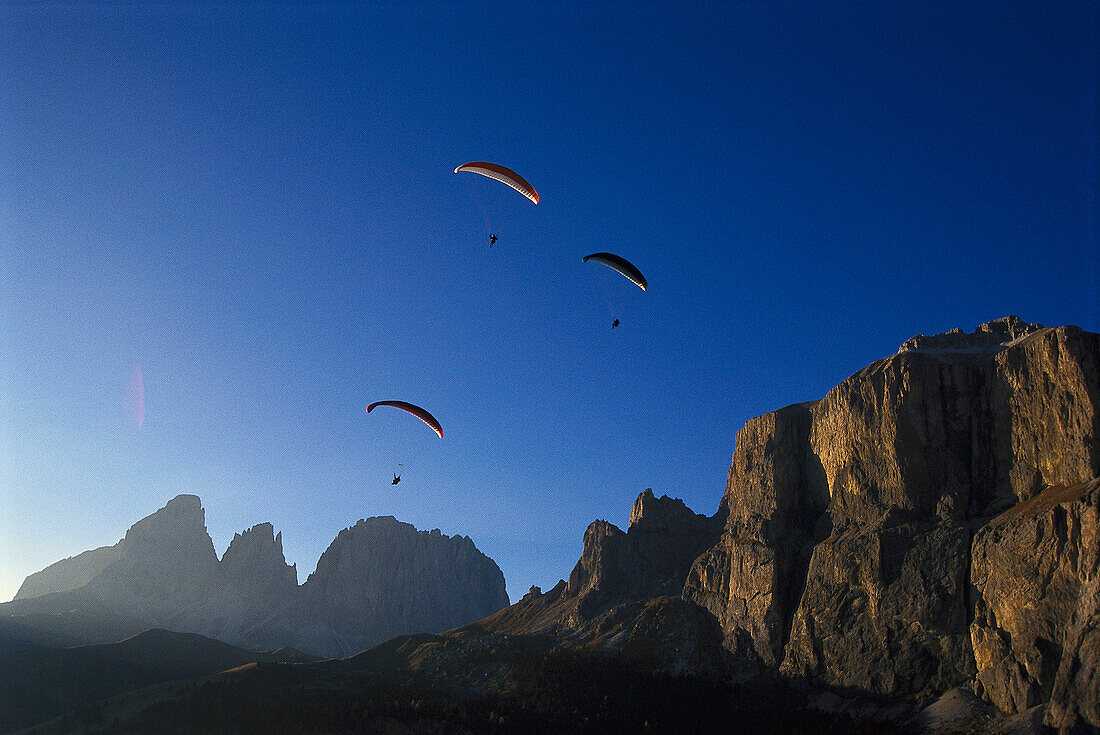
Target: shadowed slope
{"type": "Point", "coordinates": [37, 682]}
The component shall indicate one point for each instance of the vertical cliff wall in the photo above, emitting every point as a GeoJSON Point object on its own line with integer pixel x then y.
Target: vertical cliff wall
{"type": "Point", "coordinates": [775, 499]}
{"type": "Point", "coordinates": [857, 524]}
{"type": "Point", "coordinates": [931, 522]}
{"type": "Point", "coordinates": [1036, 626]}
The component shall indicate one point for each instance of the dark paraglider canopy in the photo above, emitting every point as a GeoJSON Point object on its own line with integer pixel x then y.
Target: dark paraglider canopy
{"type": "Point", "coordinates": [503, 175]}
{"type": "Point", "coordinates": [417, 411]}
{"type": "Point", "coordinates": [621, 265]}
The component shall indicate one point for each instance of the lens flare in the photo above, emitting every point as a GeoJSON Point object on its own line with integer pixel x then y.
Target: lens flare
{"type": "Point", "coordinates": [135, 398]}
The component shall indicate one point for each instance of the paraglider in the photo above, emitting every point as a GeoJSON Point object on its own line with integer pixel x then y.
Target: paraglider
{"type": "Point", "coordinates": [621, 265]}
{"type": "Point", "coordinates": [396, 478]}
{"type": "Point", "coordinates": [492, 240]}
{"type": "Point", "coordinates": [503, 175]}
{"type": "Point", "coordinates": [417, 411]}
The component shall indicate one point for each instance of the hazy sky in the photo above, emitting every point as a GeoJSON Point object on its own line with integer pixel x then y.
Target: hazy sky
{"type": "Point", "coordinates": [226, 228]}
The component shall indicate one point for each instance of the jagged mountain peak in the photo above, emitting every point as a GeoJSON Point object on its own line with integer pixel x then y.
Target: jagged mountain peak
{"type": "Point", "coordinates": [255, 556]}
{"type": "Point", "coordinates": [379, 577]}
{"type": "Point", "coordinates": [262, 535]}
{"type": "Point", "coordinates": [177, 529]}
{"type": "Point", "coordinates": [650, 513]}
{"type": "Point", "coordinates": [930, 523]}
{"type": "Point", "coordinates": [988, 337]}
{"type": "Point", "coordinates": [180, 517]}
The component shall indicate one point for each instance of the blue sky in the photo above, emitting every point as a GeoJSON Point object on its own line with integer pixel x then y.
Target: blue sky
{"type": "Point", "coordinates": [256, 204]}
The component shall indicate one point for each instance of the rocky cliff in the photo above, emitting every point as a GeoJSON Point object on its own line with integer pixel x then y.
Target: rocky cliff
{"type": "Point", "coordinates": [173, 540]}
{"type": "Point", "coordinates": [381, 578]}
{"type": "Point", "coordinates": [378, 579]}
{"type": "Point", "coordinates": [930, 527]}
{"type": "Point", "coordinates": [167, 566]}
{"type": "Point", "coordinates": [930, 523]}
{"type": "Point", "coordinates": [624, 593]}
{"type": "Point", "coordinates": [1035, 573]}
{"type": "Point", "coordinates": [898, 472]}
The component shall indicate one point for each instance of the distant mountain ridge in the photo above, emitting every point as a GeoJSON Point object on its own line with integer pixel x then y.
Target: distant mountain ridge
{"type": "Point", "coordinates": [378, 579]}
{"type": "Point", "coordinates": [67, 574]}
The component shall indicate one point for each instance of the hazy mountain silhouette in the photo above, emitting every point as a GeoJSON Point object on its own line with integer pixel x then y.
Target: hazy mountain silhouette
{"type": "Point", "coordinates": [377, 579]}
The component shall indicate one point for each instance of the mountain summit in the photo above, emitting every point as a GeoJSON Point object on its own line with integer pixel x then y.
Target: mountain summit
{"type": "Point", "coordinates": [930, 524]}
{"type": "Point", "coordinates": [377, 579]}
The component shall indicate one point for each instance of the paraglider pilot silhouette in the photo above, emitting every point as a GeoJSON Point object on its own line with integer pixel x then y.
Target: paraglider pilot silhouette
{"type": "Point", "coordinates": [505, 176]}
{"type": "Point", "coordinates": [416, 411]}
{"type": "Point", "coordinates": [622, 266]}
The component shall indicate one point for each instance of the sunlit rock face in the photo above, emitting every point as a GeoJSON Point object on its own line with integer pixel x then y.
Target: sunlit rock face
{"type": "Point", "coordinates": [381, 578]}
{"type": "Point", "coordinates": [884, 610]}
{"type": "Point", "coordinates": [775, 497]}
{"type": "Point", "coordinates": [1036, 627]}
{"type": "Point", "coordinates": [989, 337]}
{"type": "Point", "coordinates": [979, 429]}
{"type": "Point", "coordinates": [846, 558]}
{"type": "Point", "coordinates": [931, 523]}
{"type": "Point", "coordinates": [895, 538]}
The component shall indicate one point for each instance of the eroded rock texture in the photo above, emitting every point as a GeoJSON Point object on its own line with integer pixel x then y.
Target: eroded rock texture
{"type": "Point", "coordinates": [884, 611]}
{"type": "Point", "coordinates": [775, 499]}
{"type": "Point", "coordinates": [856, 547]}
{"type": "Point", "coordinates": [846, 558]}
{"type": "Point", "coordinates": [651, 559]}
{"type": "Point", "coordinates": [624, 593]}
{"type": "Point", "coordinates": [931, 523]}
{"type": "Point", "coordinates": [1036, 628]}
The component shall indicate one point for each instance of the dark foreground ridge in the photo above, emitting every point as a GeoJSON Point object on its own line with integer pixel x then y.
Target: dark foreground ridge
{"type": "Point", "coordinates": [548, 691]}
{"type": "Point", "coordinates": [37, 683]}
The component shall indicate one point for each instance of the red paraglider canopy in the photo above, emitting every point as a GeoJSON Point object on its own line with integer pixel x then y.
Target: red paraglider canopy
{"type": "Point", "coordinates": [503, 175]}
{"type": "Point", "coordinates": [417, 411]}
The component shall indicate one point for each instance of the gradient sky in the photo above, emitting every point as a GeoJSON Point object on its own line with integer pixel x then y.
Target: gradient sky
{"type": "Point", "coordinates": [248, 216]}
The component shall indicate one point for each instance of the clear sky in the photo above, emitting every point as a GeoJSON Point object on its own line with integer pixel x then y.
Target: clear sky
{"type": "Point", "coordinates": [255, 207]}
